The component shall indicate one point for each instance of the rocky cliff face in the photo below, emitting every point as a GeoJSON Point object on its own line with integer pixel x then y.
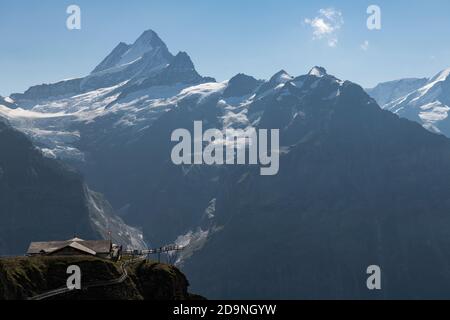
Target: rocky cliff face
{"type": "Point", "coordinates": [42, 199]}
{"type": "Point", "coordinates": [22, 278]}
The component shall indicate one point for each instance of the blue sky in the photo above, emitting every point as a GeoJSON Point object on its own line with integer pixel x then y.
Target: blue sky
{"type": "Point", "coordinates": [257, 37]}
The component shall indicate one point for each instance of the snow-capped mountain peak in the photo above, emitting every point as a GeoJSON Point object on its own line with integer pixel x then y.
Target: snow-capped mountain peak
{"type": "Point", "coordinates": [426, 101]}
{"type": "Point", "coordinates": [276, 81]}
{"type": "Point", "coordinates": [148, 45]}
{"type": "Point", "coordinates": [144, 58]}
{"type": "Point", "coordinates": [387, 92]}
{"type": "Point", "coordinates": [441, 76]}
{"type": "Point", "coordinates": [149, 41]}
{"type": "Point", "coordinates": [281, 77]}
{"type": "Point", "coordinates": [317, 72]}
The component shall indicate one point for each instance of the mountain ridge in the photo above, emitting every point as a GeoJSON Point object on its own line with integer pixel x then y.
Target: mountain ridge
{"type": "Point", "coordinates": [425, 101]}
{"type": "Point", "coordinates": [133, 63]}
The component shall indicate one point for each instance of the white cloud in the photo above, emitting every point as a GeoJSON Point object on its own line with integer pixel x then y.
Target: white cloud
{"type": "Point", "coordinates": [333, 42]}
{"type": "Point", "coordinates": [326, 25]}
{"type": "Point", "coordinates": [365, 45]}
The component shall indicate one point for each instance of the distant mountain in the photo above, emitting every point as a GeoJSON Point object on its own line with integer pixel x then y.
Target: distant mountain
{"type": "Point", "coordinates": [357, 185]}
{"type": "Point", "coordinates": [389, 91]}
{"type": "Point", "coordinates": [425, 101]}
{"type": "Point", "coordinates": [146, 61]}
{"type": "Point", "coordinates": [147, 47]}
{"type": "Point", "coordinates": [120, 90]}
{"type": "Point", "coordinates": [42, 199]}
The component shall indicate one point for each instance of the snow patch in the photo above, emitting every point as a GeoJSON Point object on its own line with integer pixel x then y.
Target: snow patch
{"type": "Point", "coordinates": [204, 90]}
{"type": "Point", "coordinates": [433, 112]}
{"type": "Point", "coordinates": [191, 242]}
{"type": "Point", "coordinates": [9, 100]}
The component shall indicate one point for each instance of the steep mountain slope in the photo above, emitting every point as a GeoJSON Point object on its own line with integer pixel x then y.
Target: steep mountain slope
{"type": "Point", "coordinates": [425, 101]}
{"type": "Point", "coordinates": [42, 199]}
{"type": "Point", "coordinates": [357, 186]}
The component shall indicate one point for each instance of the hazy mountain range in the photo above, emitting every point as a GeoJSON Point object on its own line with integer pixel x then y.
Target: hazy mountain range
{"type": "Point", "coordinates": [357, 184]}
{"type": "Point", "coordinates": [422, 100]}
